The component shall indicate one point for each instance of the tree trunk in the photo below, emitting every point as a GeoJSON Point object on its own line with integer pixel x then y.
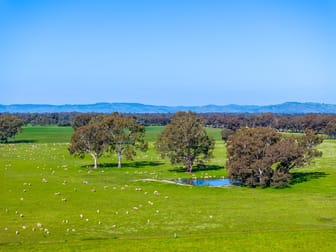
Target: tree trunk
{"type": "Point", "coordinates": [189, 165]}
{"type": "Point", "coordinates": [95, 159]}
{"type": "Point", "coordinates": [119, 159]}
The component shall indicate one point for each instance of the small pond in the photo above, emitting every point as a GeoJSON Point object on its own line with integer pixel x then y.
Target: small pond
{"type": "Point", "coordinates": [205, 182]}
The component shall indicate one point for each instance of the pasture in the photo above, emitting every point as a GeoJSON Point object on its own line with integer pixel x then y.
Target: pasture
{"type": "Point", "coordinates": [52, 201]}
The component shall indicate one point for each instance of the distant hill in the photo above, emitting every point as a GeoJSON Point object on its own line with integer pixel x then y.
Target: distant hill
{"type": "Point", "coordinates": [284, 108]}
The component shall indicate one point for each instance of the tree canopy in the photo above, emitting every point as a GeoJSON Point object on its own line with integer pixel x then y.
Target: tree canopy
{"type": "Point", "coordinates": [10, 125]}
{"type": "Point", "coordinates": [264, 157]}
{"type": "Point", "coordinates": [100, 133]}
{"type": "Point", "coordinates": [184, 140]}
{"type": "Point", "coordinates": [82, 120]}
{"type": "Point", "coordinates": [225, 133]}
{"type": "Point", "coordinates": [330, 129]}
{"type": "Point", "coordinates": [91, 139]}
{"type": "Point", "coordinates": [125, 136]}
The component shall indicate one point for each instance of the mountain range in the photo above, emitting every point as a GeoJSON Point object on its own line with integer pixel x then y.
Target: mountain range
{"type": "Point", "coordinates": [284, 108]}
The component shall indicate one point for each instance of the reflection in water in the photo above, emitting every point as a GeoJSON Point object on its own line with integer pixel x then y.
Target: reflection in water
{"type": "Point", "coordinates": [205, 182]}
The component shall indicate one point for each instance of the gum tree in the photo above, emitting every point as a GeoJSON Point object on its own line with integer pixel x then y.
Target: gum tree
{"type": "Point", "coordinates": [10, 125]}
{"type": "Point", "coordinates": [90, 139]}
{"type": "Point", "coordinates": [125, 136]}
{"type": "Point", "coordinates": [330, 129]}
{"type": "Point", "coordinates": [82, 120]}
{"type": "Point", "coordinates": [264, 157]}
{"type": "Point", "coordinates": [184, 140]}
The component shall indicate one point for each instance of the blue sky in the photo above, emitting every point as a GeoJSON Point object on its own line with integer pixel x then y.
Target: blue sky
{"type": "Point", "coordinates": [167, 52]}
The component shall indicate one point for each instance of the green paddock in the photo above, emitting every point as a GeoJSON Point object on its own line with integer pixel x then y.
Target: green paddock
{"type": "Point", "coordinates": [51, 201]}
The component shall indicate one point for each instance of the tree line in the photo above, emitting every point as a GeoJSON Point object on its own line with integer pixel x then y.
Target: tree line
{"type": "Point", "coordinates": [184, 140]}
{"type": "Point", "coordinates": [259, 156]}
{"type": "Point", "coordinates": [321, 123]}
{"type": "Point", "coordinates": [114, 133]}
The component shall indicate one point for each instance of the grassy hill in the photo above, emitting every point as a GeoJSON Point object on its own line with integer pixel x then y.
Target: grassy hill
{"type": "Point", "coordinates": [51, 201]}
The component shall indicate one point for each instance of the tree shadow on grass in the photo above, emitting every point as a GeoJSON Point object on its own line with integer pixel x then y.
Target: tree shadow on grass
{"type": "Point", "coordinates": [21, 141]}
{"type": "Point", "coordinates": [198, 168]}
{"type": "Point", "coordinates": [300, 177]}
{"type": "Point", "coordinates": [136, 164]}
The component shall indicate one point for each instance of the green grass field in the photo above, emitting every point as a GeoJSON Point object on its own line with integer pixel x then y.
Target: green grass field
{"type": "Point", "coordinates": [52, 201]}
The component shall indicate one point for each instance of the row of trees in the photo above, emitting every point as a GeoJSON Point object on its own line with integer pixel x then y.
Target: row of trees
{"type": "Point", "coordinates": [255, 156]}
{"type": "Point", "coordinates": [321, 123]}
{"type": "Point", "coordinates": [113, 133]}
{"type": "Point", "coordinates": [183, 141]}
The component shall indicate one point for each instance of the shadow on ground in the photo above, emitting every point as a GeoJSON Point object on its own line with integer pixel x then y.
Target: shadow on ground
{"type": "Point", "coordinates": [21, 141]}
{"type": "Point", "coordinates": [300, 177]}
{"type": "Point", "coordinates": [136, 164]}
{"type": "Point", "coordinates": [198, 168]}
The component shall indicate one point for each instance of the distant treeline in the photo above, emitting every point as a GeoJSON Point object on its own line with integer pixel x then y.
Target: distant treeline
{"type": "Point", "coordinates": [290, 123]}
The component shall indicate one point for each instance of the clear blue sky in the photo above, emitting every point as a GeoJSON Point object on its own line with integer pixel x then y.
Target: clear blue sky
{"type": "Point", "coordinates": [167, 52]}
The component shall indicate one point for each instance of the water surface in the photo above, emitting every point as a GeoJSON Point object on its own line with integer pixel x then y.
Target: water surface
{"type": "Point", "coordinates": [205, 182]}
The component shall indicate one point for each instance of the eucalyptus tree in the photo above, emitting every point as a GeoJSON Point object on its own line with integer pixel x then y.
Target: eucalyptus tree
{"type": "Point", "coordinates": [330, 129]}
{"type": "Point", "coordinates": [225, 133]}
{"type": "Point", "coordinates": [125, 136]}
{"type": "Point", "coordinates": [264, 157]}
{"type": "Point", "coordinates": [91, 139]}
{"type": "Point", "coordinates": [184, 140]}
{"type": "Point", "coordinates": [82, 120]}
{"type": "Point", "coordinates": [10, 125]}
